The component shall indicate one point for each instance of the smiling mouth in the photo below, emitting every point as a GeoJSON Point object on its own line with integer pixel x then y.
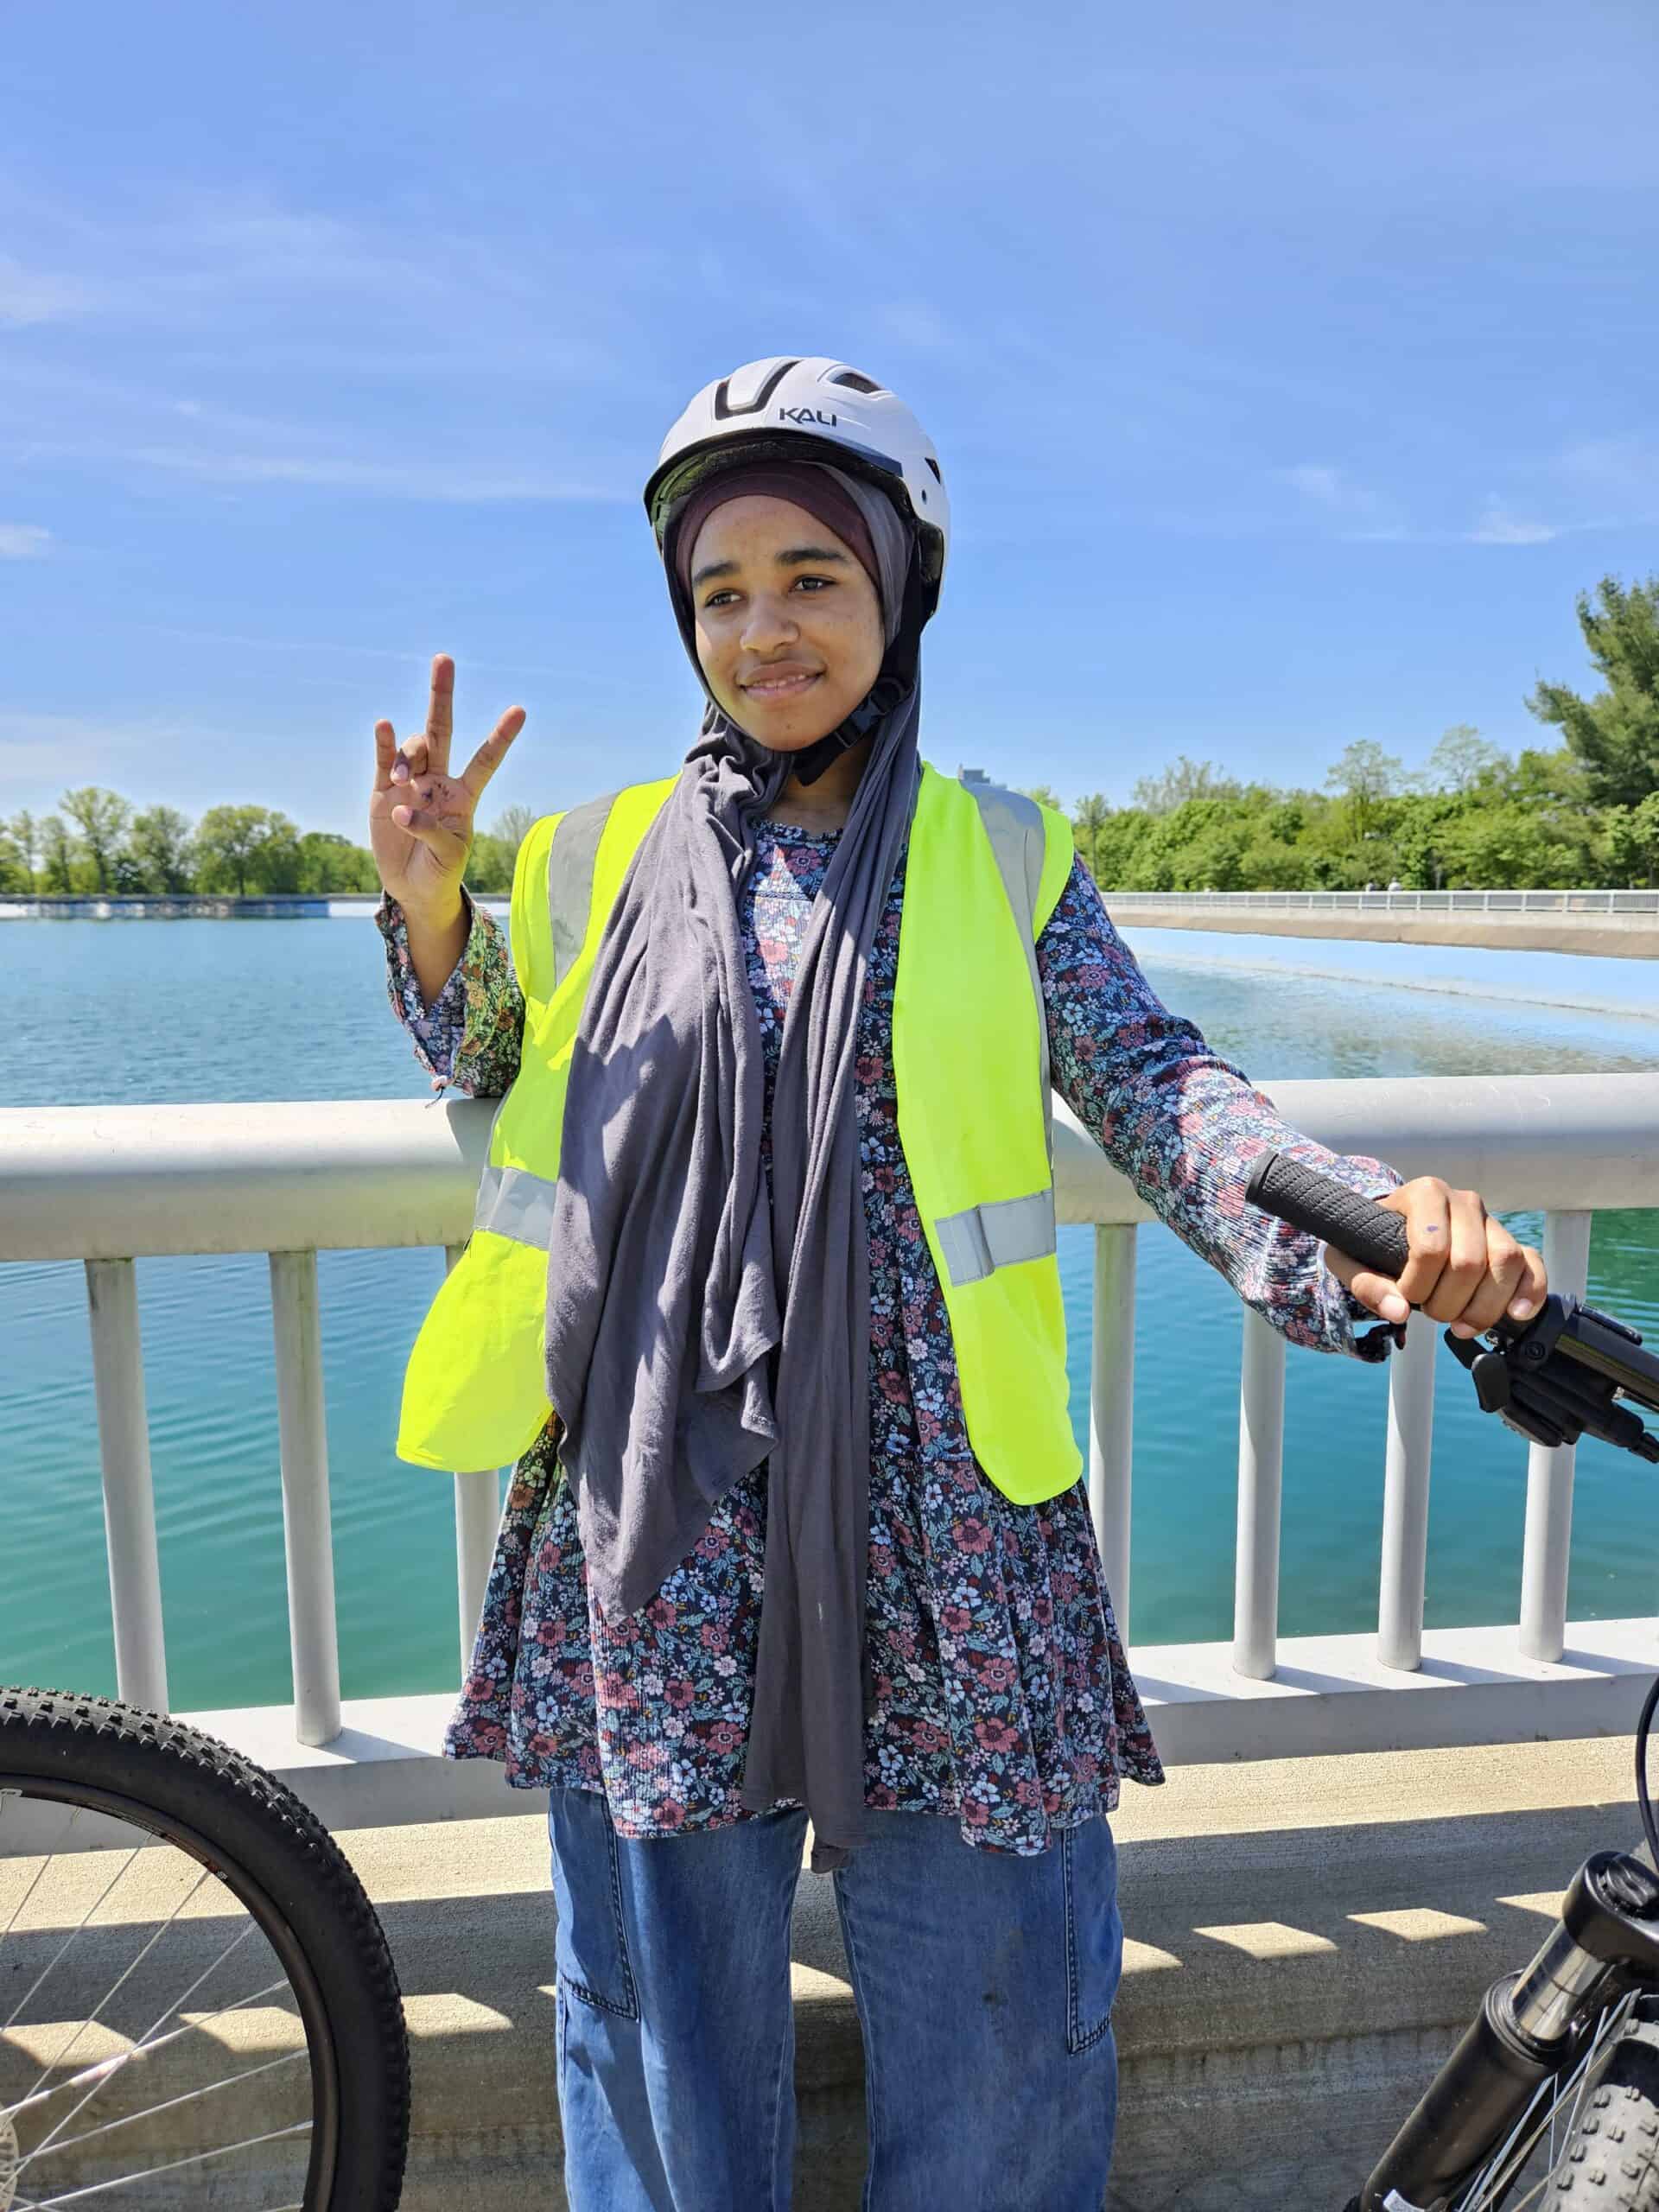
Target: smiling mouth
{"type": "Point", "coordinates": [780, 686]}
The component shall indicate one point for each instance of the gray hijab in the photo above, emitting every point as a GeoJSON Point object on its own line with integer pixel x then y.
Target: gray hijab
{"type": "Point", "coordinates": [696, 1326]}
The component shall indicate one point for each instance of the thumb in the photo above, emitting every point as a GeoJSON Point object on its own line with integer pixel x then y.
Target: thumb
{"type": "Point", "coordinates": [1379, 1294]}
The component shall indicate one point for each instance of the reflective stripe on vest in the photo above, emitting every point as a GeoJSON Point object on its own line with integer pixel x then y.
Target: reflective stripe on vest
{"type": "Point", "coordinates": [977, 1242]}
{"type": "Point", "coordinates": [512, 1201]}
{"type": "Point", "coordinates": [985, 869]}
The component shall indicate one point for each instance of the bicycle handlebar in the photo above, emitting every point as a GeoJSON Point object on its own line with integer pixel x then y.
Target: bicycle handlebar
{"type": "Point", "coordinates": [1551, 1379]}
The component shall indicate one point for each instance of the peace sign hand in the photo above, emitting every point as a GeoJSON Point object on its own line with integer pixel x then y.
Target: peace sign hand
{"type": "Point", "coordinates": [420, 815]}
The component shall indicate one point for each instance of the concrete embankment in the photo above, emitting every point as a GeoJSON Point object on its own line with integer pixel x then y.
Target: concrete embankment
{"type": "Point", "coordinates": [1306, 1941]}
{"type": "Point", "coordinates": [1307, 1938]}
{"type": "Point", "coordinates": [1632, 938]}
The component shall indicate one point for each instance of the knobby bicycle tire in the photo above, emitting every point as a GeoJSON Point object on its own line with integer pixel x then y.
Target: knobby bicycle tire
{"type": "Point", "coordinates": [273, 1851]}
{"type": "Point", "coordinates": [1611, 2161]}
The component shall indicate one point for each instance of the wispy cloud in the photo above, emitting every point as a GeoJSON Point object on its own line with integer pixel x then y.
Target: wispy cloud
{"type": "Point", "coordinates": [1499, 526]}
{"type": "Point", "coordinates": [23, 541]}
{"type": "Point", "coordinates": [446, 482]}
{"type": "Point", "coordinates": [1352, 509]}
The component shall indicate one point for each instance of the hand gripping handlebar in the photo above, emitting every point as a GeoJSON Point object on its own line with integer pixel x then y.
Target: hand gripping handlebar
{"type": "Point", "coordinates": [1552, 1379]}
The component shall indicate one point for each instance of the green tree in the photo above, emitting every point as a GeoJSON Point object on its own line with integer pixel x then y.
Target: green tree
{"type": "Point", "coordinates": [1615, 734]}
{"type": "Point", "coordinates": [102, 819]}
{"type": "Point", "coordinates": [1087, 822]}
{"type": "Point", "coordinates": [1459, 760]}
{"type": "Point", "coordinates": [1422, 837]}
{"type": "Point", "coordinates": [489, 865]}
{"type": "Point", "coordinates": [331, 863]}
{"type": "Point", "coordinates": [1631, 839]}
{"type": "Point", "coordinates": [1184, 780]}
{"type": "Point", "coordinates": [1364, 775]}
{"type": "Point", "coordinates": [240, 846]}
{"type": "Point", "coordinates": [1044, 795]}
{"type": "Point", "coordinates": [1117, 845]}
{"type": "Point", "coordinates": [25, 832]}
{"type": "Point", "coordinates": [158, 848]}
{"type": "Point", "coordinates": [58, 853]}
{"type": "Point", "coordinates": [513, 825]}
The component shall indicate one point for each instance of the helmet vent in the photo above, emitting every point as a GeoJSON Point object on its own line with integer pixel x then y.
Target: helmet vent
{"type": "Point", "coordinates": [726, 406]}
{"type": "Point", "coordinates": [934, 466]}
{"type": "Point", "coordinates": [851, 381]}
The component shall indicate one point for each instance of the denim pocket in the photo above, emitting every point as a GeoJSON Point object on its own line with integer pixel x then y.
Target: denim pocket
{"type": "Point", "coordinates": [593, 1940]}
{"type": "Point", "coordinates": [1094, 1933]}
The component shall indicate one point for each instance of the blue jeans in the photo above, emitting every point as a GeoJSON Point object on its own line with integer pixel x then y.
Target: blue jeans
{"type": "Point", "coordinates": [984, 1984]}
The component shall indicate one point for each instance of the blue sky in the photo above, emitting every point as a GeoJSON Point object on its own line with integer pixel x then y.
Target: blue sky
{"type": "Point", "coordinates": [1292, 366]}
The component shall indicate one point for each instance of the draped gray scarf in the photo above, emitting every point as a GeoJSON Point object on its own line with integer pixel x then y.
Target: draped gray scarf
{"type": "Point", "coordinates": [697, 1325]}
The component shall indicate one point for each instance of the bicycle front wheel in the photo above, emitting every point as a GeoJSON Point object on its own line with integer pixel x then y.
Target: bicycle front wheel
{"type": "Point", "coordinates": [1612, 2158]}
{"type": "Point", "coordinates": [1590, 2137]}
{"type": "Point", "coordinates": [197, 2004]}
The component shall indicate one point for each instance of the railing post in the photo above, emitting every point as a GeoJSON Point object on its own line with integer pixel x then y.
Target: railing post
{"type": "Point", "coordinates": [1261, 1468]}
{"type": "Point", "coordinates": [129, 1490]}
{"type": "Point", "coordinates": [1405, 1498]}
{"type": "Point", "coordinates": [307, 1535]}
{"type": "Point", "coordinates": [1548, 1546]}
{"type": "Point", "coordinates": [1111, 1410]}
{"type": "Point", "coordinates": [478, 1515]}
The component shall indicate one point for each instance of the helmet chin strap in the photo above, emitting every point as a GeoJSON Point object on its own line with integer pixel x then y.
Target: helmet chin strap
{"type": "Point", "coordinates": [891, 687]}
{"type": "Point", "coordinates": [886, 694]}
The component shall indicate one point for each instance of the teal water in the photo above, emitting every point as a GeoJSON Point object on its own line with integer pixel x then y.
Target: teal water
{"type": "Point", "coordinates": [106, 1012]}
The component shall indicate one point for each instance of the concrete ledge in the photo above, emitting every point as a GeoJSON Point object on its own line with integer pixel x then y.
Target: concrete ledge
{"type": "Point", "coordinates": [1632, 938]}
{"type": "Point", "coordinates": [1306, 1939]}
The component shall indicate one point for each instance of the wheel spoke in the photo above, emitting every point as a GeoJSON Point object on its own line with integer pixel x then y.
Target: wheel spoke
{"type": "Point", "coordinates": [42, 1977]}
{"type": "Point", "coordinates": [172, 2166]}
{"type": "Point", "coordinates": [50, 2148]}
{"type": "Point", "coordinates": [151, 2040]}
{"type": "Point", "coordinates": [107, 2067]}
{"type": "Point", "coordinates": [120, 1980]}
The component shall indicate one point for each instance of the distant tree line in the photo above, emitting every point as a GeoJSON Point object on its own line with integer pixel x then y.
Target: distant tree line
{"type": "Point", "coordinates": [1473, 818]}
{"type": "Point", "coordinates": [1584, 813]}
{"type": "Point", "coordinates": [98, 841]}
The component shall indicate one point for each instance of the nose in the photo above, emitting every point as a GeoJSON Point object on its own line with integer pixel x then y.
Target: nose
{"type": "Point", "coordinates": [770, 624]}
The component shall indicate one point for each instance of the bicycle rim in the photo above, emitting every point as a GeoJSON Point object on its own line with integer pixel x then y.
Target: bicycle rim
{"type": "Point", "coordinates": [161, 1962]}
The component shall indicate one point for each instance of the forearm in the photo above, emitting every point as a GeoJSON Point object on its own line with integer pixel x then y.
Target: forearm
{"type": "Point", "coordinates": [435, 945]}
{"type": "Point", "coordinates": [1187, 1126]}
{"type": "Point", "coordinates": [469, 1031]}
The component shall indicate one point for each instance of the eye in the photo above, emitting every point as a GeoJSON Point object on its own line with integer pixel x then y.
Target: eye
{"type": "Point", "coordinates": [716, 600]}
{"type": "Point", "coordinates": [826, 583]}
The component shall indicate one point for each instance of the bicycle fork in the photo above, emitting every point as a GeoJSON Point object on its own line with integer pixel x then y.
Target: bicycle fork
{"type": "Point", "coordinates": [1527, 2026]}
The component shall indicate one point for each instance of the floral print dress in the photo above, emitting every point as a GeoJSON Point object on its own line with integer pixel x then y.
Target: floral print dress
{"type": "Point", "coordinates": [1003, 1698]}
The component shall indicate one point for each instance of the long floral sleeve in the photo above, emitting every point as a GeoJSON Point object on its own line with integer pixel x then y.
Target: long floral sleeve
{"type": "Point", "coordinates": [1186, 1127]}
{"type": "Point", "coordinates": [470, 1035]}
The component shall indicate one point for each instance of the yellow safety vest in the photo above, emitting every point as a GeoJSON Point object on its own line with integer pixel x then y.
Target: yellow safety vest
{"type": "Point", "coordinates": [986, 867]}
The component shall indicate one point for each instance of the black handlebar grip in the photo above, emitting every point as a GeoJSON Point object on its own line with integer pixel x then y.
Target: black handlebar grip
{"type": "Point", "coordinates": [1324, 1208]}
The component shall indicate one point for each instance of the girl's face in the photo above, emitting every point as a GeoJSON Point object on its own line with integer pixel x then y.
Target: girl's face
{"type": "Point", "coordinates": [788, 623]}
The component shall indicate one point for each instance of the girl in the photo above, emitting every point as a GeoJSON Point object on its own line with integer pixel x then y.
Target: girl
{"type": "Point", "coordinates": [770, 1193]}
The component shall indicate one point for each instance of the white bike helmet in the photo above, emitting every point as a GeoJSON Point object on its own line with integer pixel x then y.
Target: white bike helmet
{"type": "Point", "coordinates": [774, 410]}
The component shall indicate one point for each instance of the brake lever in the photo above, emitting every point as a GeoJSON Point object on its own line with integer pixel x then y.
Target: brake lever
{"type": "Point", "coordinates": [1556, 1377]}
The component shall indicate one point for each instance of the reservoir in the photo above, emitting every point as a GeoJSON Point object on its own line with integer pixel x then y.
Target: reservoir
{"type": "Point", "coordinates": [251, 1009]}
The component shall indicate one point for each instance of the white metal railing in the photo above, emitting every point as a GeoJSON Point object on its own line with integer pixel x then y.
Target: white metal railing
{"type": "Point", "coordinates": [1404, 902]}
{"type": "Point", "coordinates": [109, 1185]}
